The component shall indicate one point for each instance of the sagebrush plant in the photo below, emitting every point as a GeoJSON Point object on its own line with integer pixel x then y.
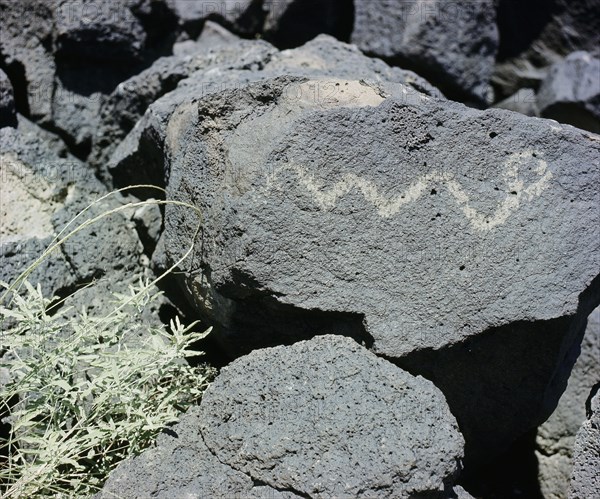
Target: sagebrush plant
{"type": "Point", "coordinates": [81, 393]}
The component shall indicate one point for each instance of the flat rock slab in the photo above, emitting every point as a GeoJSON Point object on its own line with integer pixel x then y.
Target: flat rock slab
{"type": "Point", "coordinates": [327, 418]}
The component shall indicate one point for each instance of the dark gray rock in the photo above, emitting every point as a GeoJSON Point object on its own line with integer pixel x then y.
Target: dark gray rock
{"type": "Point", "coordinates": [43, 189]}
{"type": "Point", "coordinates": [8, 116]}
{"type": "Point", "coordinates": [524, 102]}
{"type": "Point", "coordinates": [65, 57]}
{"type": "Point", "coordinates": [571, 92]}
{"type": "Point", "coordinates": [130, 100]}
{"type": "Point", "coordinates": [302, 233]}
{"type": "Point", "coordinates": [25, 35]}
{"type": "Point", "coordinates": [99, 29]}
{"type": "Point", "coordinates": [180, 465]}
{"type": "Point", "coordinates": [536, 34]}
{"type": "Point", "coordinates": [138, 159]}
{"type": "Point", "coordinates": [291, 23]}
{"type": "Point", "coordinates": [556, 437]}
{"type": "Point", "coordinates": [452, 44]}
{"type": "Point", "coordinates": [327, 418]}
{"type": "Point", "coordinates": [585, 480]}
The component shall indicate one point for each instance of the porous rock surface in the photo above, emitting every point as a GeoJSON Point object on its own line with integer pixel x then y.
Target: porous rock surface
{"type": "Point", "coordinates": [325, 198]}
{"type": "Point", "coordinates": [320, 418]}
{"type": "Point", "coordinates": [43, 189]}
{"type": "Point", "coordinates": [555, 439]}
{"type": "Point", "coordinates": [180, 465]}
{"type": "Point", "coordinates": [453, 44]}
{"type": "Point", "coordinates": [585, 479]}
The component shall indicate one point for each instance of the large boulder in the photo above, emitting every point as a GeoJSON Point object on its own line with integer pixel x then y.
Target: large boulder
{"type": "Point", "coordinates": [301, 233]}
{"type": "Point", "coordinates": [453, 44]}
{"type": "Point", "coordinates": [585, 480]}
{"type": "Point", "coordinates": [556, 437]}
{"type": "Point", "coordinates": [320, 418]}
{"type": "Point", "coordinates": [570, 93]}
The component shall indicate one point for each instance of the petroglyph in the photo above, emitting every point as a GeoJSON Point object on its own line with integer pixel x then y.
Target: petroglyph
{"type": "Point", "coordinates": [517, 192]}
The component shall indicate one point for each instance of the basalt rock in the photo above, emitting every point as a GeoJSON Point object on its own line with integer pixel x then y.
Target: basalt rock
{"type": "Point", "coordinates": [321, 418]}
{"type": "Point", "coordinates": [556, 437]}
{"type": "Point", "coordinates": [321, 213]}
{"type": "Point", "coordinates": [452, 44]}
{"type": "Point", "coordinates": [571, 92]}
{"type": "Point", "coordinates": [585, 480]}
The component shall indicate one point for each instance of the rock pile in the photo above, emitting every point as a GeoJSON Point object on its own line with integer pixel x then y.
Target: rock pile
{"type": "Point", "coordinates": [401, 281]}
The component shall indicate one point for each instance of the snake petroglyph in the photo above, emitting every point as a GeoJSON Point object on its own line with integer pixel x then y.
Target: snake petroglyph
{"type": "Point", "coordinates": [326, 198]}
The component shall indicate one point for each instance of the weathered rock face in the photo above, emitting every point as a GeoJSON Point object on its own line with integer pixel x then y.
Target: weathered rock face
{"type": "Point", "coordinates": [453, 44]}
{"type": "Point", "coordinates": [556, 437]}
{"type": "Point", "coordinates": [8, 116]}
{"type": "Point", "coordinates": [536, 34]}
{"type": "Point", "coordinates": [182, 466]}
{"type": "Point", "coordinates": [585, 480]}
{"type": "Point", "coordinates": [321, 418]}
{"type": "Point", "coordinates": [302, 234]}
{"type": "Point", "coordinates": [138, 159]}
{"type": "Point", "coordinates": [43, 189]}
{"type": "Point", "coordinates": [129, 101]}
{"type": "Point", "coordinates": [571, 92]}
{"type": "Point", "coordinates": [326, 418]}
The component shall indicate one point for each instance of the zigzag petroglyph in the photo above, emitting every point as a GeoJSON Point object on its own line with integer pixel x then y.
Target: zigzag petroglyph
{"type": "Point", "coordinates": [326, 198]}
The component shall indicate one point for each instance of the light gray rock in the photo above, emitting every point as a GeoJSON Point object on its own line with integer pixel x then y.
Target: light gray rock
{"type": "Point", "coordinates": [327, 418]}
{"type": "Point", "coordinates": [213, 35]}
{"type": "Point", "coordinates": [570, 93]}
{"type": "Point", "coordinates": [452, 44]}
{"type": "Point", "coordinates": [240, 16]}
{"type": "Point", "coordinates": [585, 480]}
{"type": "Point", "coordinates": [524, 102]}
{"type": "Point", "coordinates": [180, 465]}
{"type": "Point", "coordinates": [8, 116]}
{"type": "Point", "coordinates": [536, 34]}
{"type": "Point", "coordinates": [43, 189]}
{"type": "Point", "coordinates": [556, 437]}
{"type": "Point", "coordinates": [460, 493]}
